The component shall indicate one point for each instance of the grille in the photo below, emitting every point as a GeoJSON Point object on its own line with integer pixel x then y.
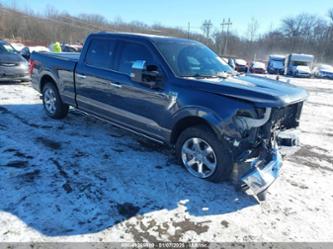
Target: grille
{"type": "Point", "coordinates": [287, 117]}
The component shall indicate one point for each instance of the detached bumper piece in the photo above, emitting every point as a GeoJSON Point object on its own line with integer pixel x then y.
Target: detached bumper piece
{"type": "Point", "coordinates": [261, 178]}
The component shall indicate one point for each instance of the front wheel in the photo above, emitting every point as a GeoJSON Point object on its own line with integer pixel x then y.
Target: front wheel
{"type": "Point", "coordinates": [203, 154]}
{"type": "Point", "coordinates": [53, 105]}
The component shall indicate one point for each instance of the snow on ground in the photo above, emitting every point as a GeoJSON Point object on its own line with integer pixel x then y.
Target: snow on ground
{"type": "Point", "coordinates": [81, 179]}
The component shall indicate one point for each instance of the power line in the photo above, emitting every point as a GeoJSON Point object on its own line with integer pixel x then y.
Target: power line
{"type": "Point", "coordinates": [207, 25]}
{"type": "Point", "coordinates": [227, 24]}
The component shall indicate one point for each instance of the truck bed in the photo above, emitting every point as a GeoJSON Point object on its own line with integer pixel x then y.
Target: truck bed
{"type": "Point", "coordinates": [61, 67]}
{"type": "Point", "coordinates": [63, 56]}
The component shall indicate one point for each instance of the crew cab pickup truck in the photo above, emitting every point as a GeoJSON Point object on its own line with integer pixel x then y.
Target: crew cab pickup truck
{"type": "Point", "coordinates": [222, 125]}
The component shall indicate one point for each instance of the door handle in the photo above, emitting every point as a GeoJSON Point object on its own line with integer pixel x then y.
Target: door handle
{"type": "Point", "coordinates": [116, 84]}
{"type": "Point", "coordinates": [81, 76]}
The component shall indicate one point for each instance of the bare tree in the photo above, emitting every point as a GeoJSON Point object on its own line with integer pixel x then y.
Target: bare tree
{"type": "Point", "coordinates": [330, 14]}
{"type": "Point", "coordinates": [252, 29]}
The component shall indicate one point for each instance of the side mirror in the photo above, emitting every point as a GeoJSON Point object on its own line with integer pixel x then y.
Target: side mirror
{"type": "Point", "coordinates": [25, 52]}
{"type": "Point", "coordinates": [145, 74]}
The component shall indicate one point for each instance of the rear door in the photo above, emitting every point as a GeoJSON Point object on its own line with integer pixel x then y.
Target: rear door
{"type": "Point", "coordinates": [94, 77]}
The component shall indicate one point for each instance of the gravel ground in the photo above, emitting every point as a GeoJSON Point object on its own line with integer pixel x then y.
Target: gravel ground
{"type": "Point", "coordinates": [81, 179]}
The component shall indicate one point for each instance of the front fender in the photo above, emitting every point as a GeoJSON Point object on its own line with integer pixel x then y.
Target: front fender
{"type": "Point", "coordinates": [197, 112]}
{"type": "Point", "coordinates": [220, 117]}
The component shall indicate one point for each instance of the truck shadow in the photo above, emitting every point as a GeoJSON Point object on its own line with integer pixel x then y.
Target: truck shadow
{"type": "Point", "coordinates": [81, 175]}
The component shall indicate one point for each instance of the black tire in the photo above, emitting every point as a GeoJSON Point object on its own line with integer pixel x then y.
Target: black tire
{"type": "Point", "coordinates": [220, 147]}
{"type": "Point", "coordinates": [60, 109]}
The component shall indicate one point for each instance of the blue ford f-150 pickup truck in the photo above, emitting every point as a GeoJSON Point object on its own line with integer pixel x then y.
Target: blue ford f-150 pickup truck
{"type": "Point", "coordinates": [223, 125]}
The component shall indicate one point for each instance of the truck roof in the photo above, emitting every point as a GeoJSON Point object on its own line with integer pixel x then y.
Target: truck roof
{"type": "Point", "coordinates": [301, 57]}
{"type": "Point", "coordinates": [277, 57]}
{"type": "Point", "coordinates": [140, 36]}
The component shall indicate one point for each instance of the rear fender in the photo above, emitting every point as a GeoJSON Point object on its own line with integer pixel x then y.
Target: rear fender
{"type": "Point", "coordinates": [48, 74]}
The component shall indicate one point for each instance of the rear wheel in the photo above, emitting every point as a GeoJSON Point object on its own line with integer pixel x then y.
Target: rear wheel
{"type": "Point", "coordinates": [53, 105]}
{"type": "Point", "coordinates": [203, 154]}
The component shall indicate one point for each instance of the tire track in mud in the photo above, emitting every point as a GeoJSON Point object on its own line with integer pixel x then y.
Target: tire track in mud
{"type": "Point", "coordinates": [67, 185]}
{"type": "Point", "coordinates": [4, 110]}
{"type": "Point", "coordinates": [305, 155]}
{"type": "Point", "coordinates": [143, 232]}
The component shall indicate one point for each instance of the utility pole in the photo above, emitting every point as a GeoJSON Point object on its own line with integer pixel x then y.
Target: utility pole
{"type": "Point", "coordinates": [206, 27]}
{"type": "Point", "coordinates": [228, 24]}
{"type": "Point", "coordinates": [222, 31]}
{"type": "Point", "coordinates": [188, 30]}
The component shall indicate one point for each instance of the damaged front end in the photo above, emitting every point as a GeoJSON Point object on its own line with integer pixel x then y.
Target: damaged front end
{"type": "Point", "coordinates": [265, 134]}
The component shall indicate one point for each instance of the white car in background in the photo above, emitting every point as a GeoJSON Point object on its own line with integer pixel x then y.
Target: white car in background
{"type": "Point", "coordinates": [241, 66]}
{"type": "Point", "coordinates": [27, 51]}
{"type": "Point", "coordinates": [38, 49]}
{"type": "Point", "coordinates": [18, 46]}
{"type": "Point", "coordinates": [257, 67]}
{"type": "Point", "coordinates": [323, 71]}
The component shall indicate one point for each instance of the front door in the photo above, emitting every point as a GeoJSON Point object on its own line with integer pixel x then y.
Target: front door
{"type": "Point", "coordinates": [146, 108]}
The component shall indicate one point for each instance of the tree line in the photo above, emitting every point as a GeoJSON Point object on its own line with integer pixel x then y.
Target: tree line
{"type": "Point", "coordinates": [304, 33]}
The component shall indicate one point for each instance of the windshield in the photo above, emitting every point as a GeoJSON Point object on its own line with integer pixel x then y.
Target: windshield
{"type": "Point", "coordinates": [277, 63]}
{"type": "Point", "coordinates": [6, 48]}
{"type": "Point", "coordinates": [192, 59]}
{"type": "Point", "coordinates": [300, 63]}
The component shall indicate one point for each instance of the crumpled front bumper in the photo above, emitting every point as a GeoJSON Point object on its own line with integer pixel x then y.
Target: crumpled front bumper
{"type": "Point", "coordinates": [259, 179]}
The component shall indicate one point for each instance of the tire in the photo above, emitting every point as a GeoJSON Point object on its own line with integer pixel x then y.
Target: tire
{"type": "Point", "coordinates": [191, 157]}
{"type": "Point", "coordinates": [53, 105]}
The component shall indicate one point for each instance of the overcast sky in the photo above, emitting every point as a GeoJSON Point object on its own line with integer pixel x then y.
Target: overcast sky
{"type": "Point", "coordinates": [180, 12]}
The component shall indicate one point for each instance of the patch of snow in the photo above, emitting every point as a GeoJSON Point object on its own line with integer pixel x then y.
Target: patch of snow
{"type": "Point", "coordinates": [80, 179]}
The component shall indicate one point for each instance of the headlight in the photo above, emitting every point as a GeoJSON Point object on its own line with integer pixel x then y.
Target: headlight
{"type": "Point", "coordinates": [248, 120]}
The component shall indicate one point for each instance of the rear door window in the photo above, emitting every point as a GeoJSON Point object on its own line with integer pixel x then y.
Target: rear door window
{"type": "Point", "coordinates": [130, 53]}
{"type": "Point", "coordinates": [100, 53]}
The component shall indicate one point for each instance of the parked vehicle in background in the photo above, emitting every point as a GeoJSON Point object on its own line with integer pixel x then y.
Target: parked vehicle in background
{"type": "Point", "coordinates": [17, 46]}
{"type": "Point", "coordinates": [241, 66]}
{"type": "Point", "coordinates": [179, 92]}
{"type": "Point", "coordinates": [71, 48]}
{"type": "Point", "coordinates": [38, 49]}
{"type": "Point", "coordinates": [13, 67]}
{"type": "Point", "coordinates": [257, 67]}
{"type": "Point", "coordinates": [276, 64]}
{"type": "Point", "coordinates": [231, 63]}
{"type": "Point", "coordinates": [26, 51]}
{"type": "Point", "coordinates": [323, 71]}
{"type": "Point", "coordinates": [299, 65]}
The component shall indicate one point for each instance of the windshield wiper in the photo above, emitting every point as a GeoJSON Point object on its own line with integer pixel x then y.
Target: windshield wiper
{"type": "Point", "coordinates": [202, 76]}
{"type": "Point", "coordinates": [221, 75]}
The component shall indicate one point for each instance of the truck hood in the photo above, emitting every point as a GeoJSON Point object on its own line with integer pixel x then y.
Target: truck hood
{"type": "Point", "coordinates": [261, 91]}
{"type": "Point", "coordinates": [11, 58]}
